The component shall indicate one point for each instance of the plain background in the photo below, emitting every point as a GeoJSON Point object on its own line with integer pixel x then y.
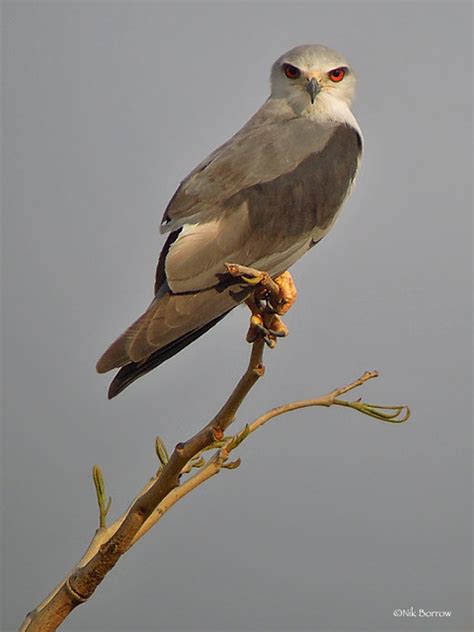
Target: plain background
{"type": "Point", "coordinates": [334, 519]}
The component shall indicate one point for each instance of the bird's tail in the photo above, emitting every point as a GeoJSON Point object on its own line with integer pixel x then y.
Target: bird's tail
{"type": "Point", "coordinates": [171, 322]}
{"type": "Point", "coordinates": [132, 371]}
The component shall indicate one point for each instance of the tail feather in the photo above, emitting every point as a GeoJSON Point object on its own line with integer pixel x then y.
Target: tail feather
{"type": "Point", "coordinates": [132, 371]}
{"type": "Point", "coordinates": [118, 353]}
{"type": "Point", "coordinates": [168, 318]}
{"type": "Point", "coordinates": [171, 322]}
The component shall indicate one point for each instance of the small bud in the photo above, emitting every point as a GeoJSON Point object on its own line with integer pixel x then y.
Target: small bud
{"type": "Point", "coordinates": [161, 451]}
{"type": "Point", "coordinates": [98, 482]}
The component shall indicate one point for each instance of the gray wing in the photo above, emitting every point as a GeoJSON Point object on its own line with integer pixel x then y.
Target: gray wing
{"type": "Point", "coordinates": [273, 143]}
{"type": "Point", "coordinates": [269, 223]}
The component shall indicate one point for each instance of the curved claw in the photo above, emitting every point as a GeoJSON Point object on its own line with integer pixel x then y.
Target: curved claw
{"type": "Point", "coordinates": [276, 327]}
{"type": "Point", "coordinates": [252, 280]}
{"type": "Point", "coordinates": [270, 341]}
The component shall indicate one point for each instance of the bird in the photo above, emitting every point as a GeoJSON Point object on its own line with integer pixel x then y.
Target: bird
{"type": "Point", "coordinates": [262, 199]}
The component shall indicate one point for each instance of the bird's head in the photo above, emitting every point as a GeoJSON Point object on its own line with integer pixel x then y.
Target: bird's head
{"type": "Point", "coordinates": [313, 78]}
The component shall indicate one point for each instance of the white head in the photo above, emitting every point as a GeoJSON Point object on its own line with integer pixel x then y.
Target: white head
{"type": "Point", "coordinates": [314, 80]}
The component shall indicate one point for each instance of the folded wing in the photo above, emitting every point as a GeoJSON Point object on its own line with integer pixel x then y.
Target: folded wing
{"type": "Point", "coordinates": [260, 200]}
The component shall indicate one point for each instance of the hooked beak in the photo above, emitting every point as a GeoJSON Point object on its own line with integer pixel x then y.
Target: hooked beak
{"type": "Point", "coordinates": [313, 88]}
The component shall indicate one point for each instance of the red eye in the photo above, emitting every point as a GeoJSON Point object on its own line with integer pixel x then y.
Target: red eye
{"type": "Point", "coordinates": [292, 72]}
{"type": "Point", "coordinates": [337, 74]}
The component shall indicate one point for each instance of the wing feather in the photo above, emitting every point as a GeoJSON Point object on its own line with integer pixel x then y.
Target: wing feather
{"type": "Point", "coordinates": [271, 144]}
{"type": "Point", "coordinates": [267, 224]}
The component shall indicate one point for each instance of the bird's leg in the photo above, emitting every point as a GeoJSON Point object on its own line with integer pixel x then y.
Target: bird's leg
{"type": "Point", "coordinates": [271, 298]}
{"type": "Point", "coordinates": [278, 305]}
{"type": "Point", "coordinates": [257, 327]}
{"type": "Point", "coordinates": [263, 323]}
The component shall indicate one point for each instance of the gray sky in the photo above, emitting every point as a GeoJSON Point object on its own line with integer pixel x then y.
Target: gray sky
{"type": "Point", "coordinates": [334, 520]}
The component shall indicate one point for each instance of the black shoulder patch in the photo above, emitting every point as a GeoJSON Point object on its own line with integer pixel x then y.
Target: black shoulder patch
{"type": "Point", "coordinates": [160, 276]}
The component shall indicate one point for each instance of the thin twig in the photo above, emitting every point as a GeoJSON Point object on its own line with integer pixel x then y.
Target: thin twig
{"type": "Point", "coordinates": [219, 459]}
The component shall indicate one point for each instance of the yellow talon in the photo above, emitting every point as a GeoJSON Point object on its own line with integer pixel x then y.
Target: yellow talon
{"type": "Point", "coordinates": [264, 321]}
{"type": "Point", "coordinates": [252, 280]}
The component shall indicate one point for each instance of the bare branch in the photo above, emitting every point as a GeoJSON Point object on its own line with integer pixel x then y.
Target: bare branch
{"type": "Point", "coordinates": [101, 558]}
{"type": "Point", "coordinates": [219, 460]}
{"type": "Point", "coordinates": [170, 483]}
